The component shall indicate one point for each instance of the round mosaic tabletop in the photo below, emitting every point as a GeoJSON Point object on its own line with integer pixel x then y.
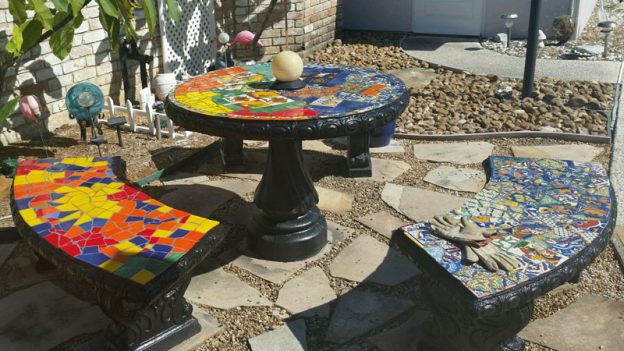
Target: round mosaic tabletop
{"type": "Point", "coordinates": [239, 102]}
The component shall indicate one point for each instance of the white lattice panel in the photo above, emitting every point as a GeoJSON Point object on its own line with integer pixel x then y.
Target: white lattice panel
{"type": "Point", "coordinates": [189, 46]}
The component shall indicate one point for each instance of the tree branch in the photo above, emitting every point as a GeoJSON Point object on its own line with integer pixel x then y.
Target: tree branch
{"type": "Point", "coordinates": [265, 22]}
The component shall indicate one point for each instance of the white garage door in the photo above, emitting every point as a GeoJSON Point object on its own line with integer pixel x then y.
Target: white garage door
{"type": "Point", "coordinates": [456, 17]}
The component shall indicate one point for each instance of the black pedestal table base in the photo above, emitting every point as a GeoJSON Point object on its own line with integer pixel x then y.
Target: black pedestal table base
{"type": "Point", "coordinates": [232, 152]}
{"type": "Point", "coordinates": [287, 225]}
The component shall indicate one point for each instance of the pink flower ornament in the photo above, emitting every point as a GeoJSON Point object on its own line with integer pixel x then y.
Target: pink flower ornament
{"type": "Point", "coordinates": [244, 38]}
{"type": "Point", "coordinates": [30, 107]}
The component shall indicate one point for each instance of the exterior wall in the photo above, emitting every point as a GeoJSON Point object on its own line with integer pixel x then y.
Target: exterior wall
{"type": "Point", "coordinates": [306, 24]}
{"type": "Point", "coordinates": [388, 15]}
{"type": "Point", "coordinates": [495, 8]}
{"type": "Point", "coordinates": [49, 78]}
{"type": "Point", "coordinates": [583, 10]}
{"type": "Point", "coordinates": [396, 15]}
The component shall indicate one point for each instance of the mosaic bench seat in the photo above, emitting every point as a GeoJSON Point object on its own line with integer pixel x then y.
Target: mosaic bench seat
{"type": "Point", "coordinates": [131, 254]}
{"type": "Point", "coordinates": [555, 216]}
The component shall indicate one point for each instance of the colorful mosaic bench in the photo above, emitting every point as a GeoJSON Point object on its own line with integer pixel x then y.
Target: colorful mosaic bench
{"type": "Point", "coordinates": [555, 216]}
{"type": "Point", "coordinates": [131, 253]}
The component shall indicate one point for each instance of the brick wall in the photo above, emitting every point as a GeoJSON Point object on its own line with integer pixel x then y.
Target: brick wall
{"type": "Point", "coordinates": [305, 24]}
{"type": "Point", "coordinates": [49, 78]}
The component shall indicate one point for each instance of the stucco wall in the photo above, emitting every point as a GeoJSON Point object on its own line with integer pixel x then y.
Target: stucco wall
{"type": "Point", "coordinates": [387, 15]}
{"type": "Point", "coordinates": [396, 15]}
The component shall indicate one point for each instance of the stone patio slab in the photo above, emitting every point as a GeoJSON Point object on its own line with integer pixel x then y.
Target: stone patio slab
{"type": "Point", "coordinates": [360, 311]}
{"type": "Point", "coordinates": [183, 178]}
{"type": "Point", "coordinates": [237, 186]}
{"type": "Point", "coordinates": [223, 290]}
{"type": "Point", "coordinates": [8, 241]}
{"type": "Point", "coordinates": [289, 337]}
{"type": "Point", "coordinates": [414, 77]}
{"type": "Point", "coordinates": [385, 170]}
{"type": "Point", "coordinates": [43, 316]}
{"type": "Point", "coordinates": [403, 337]}
{"type": "Point", "coordinates": [458, 153]}
{"type": "Point", "coordinates": [308, 294]}
{"type": "Point", "coordinates": [334, 201]}
{"type": "Point", "coordinates": [419, 204]}
{"type": "Point", "coordinates": [337, 232]}
{"type": "Point", "coordinates": [273, 271]}
{"type": "Point", "coordinates": [366, 259]}
{"type": "Point", "coordinates": [591, 323]}
{"type": "Point", "coordinates": [394, 147]}
{"type": "Point", "coordinates": [209, 328]}
{"type": "Point", "coordinates": [581, 153]}
{"type": "Point", "coordinates": [460, 179]}
{"type": "Point", "coordinates": [198, 199]}
{"type": "Point", "coordinates": [382, 222]}
{"type": "Point", "coordinates": [22, 272]}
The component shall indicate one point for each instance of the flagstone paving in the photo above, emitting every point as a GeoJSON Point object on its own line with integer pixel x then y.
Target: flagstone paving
{"type": "Point", "coordinates": [43, 316]}
{"type": "Point", "coordinates": [459, 153]}
{"type": "Point", "coordinates": [419, 204]}
{"type": "Point", "coordinates": [394, 147]}
{"type": "Point", "coordinates": [359, 311]}
{"type": "Point", "coordinates": [382, 222]}
{"type": "Point", "coordinates": [591, 323]}
{"type": "Point", "coordinates": [385, 170]}
{"type": "Point", "coordinates": [224, 290]}
{"type": "Point", "coordinates": [289, 337]}
{"type": "Point", "coordinates": [367, 259]}
{"type": "Point", "coordinates": [414, 77]}
{"type": "Point", "coordinates": [308, 294]}
{"type": "Point", "coordinates": [334, 201]}
{"type": "Point", "coordinates": [403, 337]}
{"type": "Point", "coordinates": [8, 241]}
{"type": "Point", "coordinates": [460, 179]}
{"type": "Point", "coordinates": [581, 153]}
{"type": "Point", "coordinates": [273, 271]}
{"type": "Point", "coordinates": [209, 328]}
{"type": "Point", "coordinates": [22, 272]}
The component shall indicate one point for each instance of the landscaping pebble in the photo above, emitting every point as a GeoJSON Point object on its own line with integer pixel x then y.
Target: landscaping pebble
{"type": "Point", "coordinates": [366, 259]}
{"type": "Point", "coordinates": [42, 316]}
{"type": "Point", "coordinates": [359, 311]}
{"type": "Point", "coordinates": [581, 153]}
{"type": "Point", "coordinates": [334, 201]}
{"type": "Point", "coordinates": [591, 323]}
{"type": "Point", "coordinates": [382, 222]}
{"type": "Point", "coordinates": [385, 170]}
{"type": "Point", "coordinates": [289, 337]}
{"type": "Point", "coordinates": [459, 153]}
{"type": "Point", "coordinates": [404, 337]}
{"type": "Point", "coordinates": [308, 294]}
{"type": "Point", "coordinates": [460, 179]}
{"type": "Point", "coordinates": [223, 290]}
{"type": "Point", "coordinates": [419, 204]}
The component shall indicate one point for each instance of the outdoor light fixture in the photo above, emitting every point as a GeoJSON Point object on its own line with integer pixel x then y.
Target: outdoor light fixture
{"type": "Point", "coordinates": [606, 27]}
{"type": "Point", "coordinates": [509, 21]}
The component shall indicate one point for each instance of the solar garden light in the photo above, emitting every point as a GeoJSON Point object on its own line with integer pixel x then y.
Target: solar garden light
{"type": "Point", "coordinates": [509, 21]}
{"type": "Point", "coordinates": [606, 27]}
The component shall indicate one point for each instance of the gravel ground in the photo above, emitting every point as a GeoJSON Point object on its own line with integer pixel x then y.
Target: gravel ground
{"type": "Point", "coordinates": [457, 103]}
{"type": "Point", "coordinates": [590, 36]}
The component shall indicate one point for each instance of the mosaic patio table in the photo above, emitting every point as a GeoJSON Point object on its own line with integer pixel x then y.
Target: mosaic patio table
{"type": "Point", "coordinates": [238, 103]}
{"type": "Point", "coordinates": [554, 216]}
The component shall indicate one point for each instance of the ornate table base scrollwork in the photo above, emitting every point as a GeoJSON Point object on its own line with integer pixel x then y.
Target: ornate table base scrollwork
{"type": "Point", "coordinates": [454, 327]}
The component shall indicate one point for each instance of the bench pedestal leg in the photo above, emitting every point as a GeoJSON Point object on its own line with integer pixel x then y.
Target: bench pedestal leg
{"type": "Point", "coordinates": [164, 324]}
{"type": "Point", "coordinates": [358, 156]}
{"type": "Point", "coordinates": [232, 153]}
{"type": "Point", "coordinates": [453, 327]}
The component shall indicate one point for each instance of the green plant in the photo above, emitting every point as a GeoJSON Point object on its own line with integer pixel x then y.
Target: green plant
{"type": "Point", "coordinates": [35, 21]}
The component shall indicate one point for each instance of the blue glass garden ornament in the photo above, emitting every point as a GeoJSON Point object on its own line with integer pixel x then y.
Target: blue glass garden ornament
{"type": "Point", "coordinates": [85, 102]}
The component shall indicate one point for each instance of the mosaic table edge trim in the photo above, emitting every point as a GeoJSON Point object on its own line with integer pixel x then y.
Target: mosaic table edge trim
{"type": "Point", "coordinates": [334, 90]}
{"type": "Point", "coordinates": [79, 206]}
{"type": "Point", "coordinates": [576, 230]}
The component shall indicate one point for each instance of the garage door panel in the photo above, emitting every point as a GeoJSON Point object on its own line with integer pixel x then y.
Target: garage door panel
{"type": "Point", "coordinates": [457, 17]}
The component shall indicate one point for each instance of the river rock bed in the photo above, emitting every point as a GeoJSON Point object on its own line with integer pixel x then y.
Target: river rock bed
{"type": "Point", "coordinates": [457, 103]}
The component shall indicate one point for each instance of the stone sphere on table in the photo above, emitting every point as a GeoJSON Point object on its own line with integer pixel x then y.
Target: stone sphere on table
{"type": "Point", "coordinates": [287, 66]}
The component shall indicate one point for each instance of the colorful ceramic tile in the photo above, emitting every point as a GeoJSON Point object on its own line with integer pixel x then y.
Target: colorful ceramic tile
{"type": "Point", "coordinates": [79, 206]}
{"type": "Point", "coordinates": [546, 211]}
{"type": "Point", "coordinates": [244, 93]}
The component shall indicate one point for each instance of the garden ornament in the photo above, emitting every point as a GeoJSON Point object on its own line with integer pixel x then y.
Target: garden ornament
{"type": "Point", "coordinates": [244, 38]}
{"type": "Point", "coordinates": [287, 68]}
{"type": "Point", "coordinates": [84, 102]}
{"type": "Point", "coordinates": [476, 245]}
{"type": "Point", "coordinates": [30, 107]}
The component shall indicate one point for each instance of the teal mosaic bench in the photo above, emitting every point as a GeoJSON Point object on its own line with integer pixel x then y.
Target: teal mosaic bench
{"type": "Point", "coordinates": [554, 216]}
{"type": "Point", "coordinates": [132, 254]}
